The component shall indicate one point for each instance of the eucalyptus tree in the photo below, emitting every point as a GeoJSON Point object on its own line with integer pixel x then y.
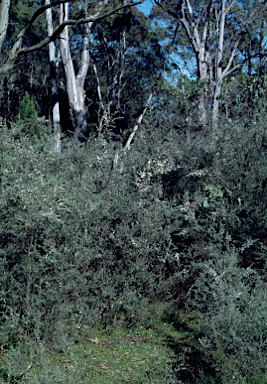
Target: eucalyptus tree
{"type": "Point", "coordinates": [54, 83]}
{"type": "Point", "coordinates": [20, 45]}
{"type": "Point", "coordinates": [75, 81]}
{"type": "Point", "coordinates": [214, 36]}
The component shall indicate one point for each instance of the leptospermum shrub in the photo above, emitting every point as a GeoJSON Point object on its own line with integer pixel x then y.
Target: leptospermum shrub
{"type": "Point", "coordinates": [79, 241]}
{"type": "Point", "coordinates": [94, 235]}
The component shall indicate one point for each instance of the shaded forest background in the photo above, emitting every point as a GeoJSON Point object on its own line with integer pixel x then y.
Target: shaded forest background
{"type": "Point", "coordinates": [115, 233]}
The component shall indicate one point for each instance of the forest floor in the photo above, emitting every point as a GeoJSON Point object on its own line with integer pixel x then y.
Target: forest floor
{"type": "Point", "coordinates": [164, 353]}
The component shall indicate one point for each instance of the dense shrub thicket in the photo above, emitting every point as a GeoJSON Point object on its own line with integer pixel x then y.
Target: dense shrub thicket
{"type": "Point", "coordinates": [96, 236]}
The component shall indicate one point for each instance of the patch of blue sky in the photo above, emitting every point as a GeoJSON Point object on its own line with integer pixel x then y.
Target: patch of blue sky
{"type": "Point", "coordinates": [146, 7]}
{"type": "Point", "coordinates": [180, 66]}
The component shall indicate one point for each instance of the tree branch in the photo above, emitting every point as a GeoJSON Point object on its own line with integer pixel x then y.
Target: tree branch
{"type": "Point", "coordinates": [173, 14]}
{"type": "Point", "coordinates": [230, 61]}
{"type": "Point", "coordinates": [230, 6]}
{"type": "Point", "coordinates": [16, 51]}
{"type": "Point", "coordinates": [138, 121]}
{"type": "Point", "coordinates": [237, 66]}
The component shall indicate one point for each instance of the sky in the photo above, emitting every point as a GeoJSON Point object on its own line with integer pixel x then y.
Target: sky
{"type": "Point", "coordinates": [146, 7]}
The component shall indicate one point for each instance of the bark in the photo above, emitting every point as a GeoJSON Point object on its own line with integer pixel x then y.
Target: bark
{"type": "Point", "coordinates": [138, 122]}
{"type": "Point", "coordinates": [53, 79]}
{"type": "Point", "coordinates": [198, 39]}
{"type": "Point", "coordinates": [221, 73]}
{"type": "Point", "coordinates": [218, 64]}
{"type": "Point", "coordinates": [4, 15]}
{"type": "Point", "coordinates": [75, 83]}
{"type": "Point", "coordinates": [74, 91]}
{"type": "Point", "coordinates": [262, 49]}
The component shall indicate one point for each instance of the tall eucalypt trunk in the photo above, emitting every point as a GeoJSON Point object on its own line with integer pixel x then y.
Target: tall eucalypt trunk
{"type": "Point", "coordinates": [4, 15]}
{"type": "Point", "coordinates": [53, 79]}
{"type": "Point", "coordinates": [75, 82]}
{"type": "Point", "coordinates": [198, 38]}
{"type": "Point", "coordinates": [219, 71]}
{"type": "Point", "coordinates": [202, 63]}
{"type": "Point", "coordinates": [74, 88]}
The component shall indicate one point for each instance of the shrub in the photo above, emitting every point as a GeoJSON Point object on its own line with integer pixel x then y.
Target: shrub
{"type": "Point", "coordinates": [27, 108]}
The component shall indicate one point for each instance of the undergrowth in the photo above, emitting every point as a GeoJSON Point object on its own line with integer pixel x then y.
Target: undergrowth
{"type": "Point", "coordinates": [91, 236]}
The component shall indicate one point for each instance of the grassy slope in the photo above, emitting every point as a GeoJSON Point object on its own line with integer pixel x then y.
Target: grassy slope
{"type": "Point", "coordinates": [161, 354]}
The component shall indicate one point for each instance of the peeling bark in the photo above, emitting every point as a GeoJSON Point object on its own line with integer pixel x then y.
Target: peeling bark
{"type": "Point", "coordinates": [75, 83]}
{"type": "Point", "coordinates": [53, 79]}
{"type": "Point", "coordinates": [4, 16]}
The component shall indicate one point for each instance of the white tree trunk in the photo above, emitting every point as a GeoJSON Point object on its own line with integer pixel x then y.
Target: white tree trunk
{"type": "Point", "coordinates": [75, 84]}
{"type": "Point", "coordinates": [53, 76]}
{"type": "Point", "coordinates": [218, 69]}
{"type": "Point", "coordinates": [4, 15]}
{"type": "Point", "coordinates": [198, 38]}
{"type": "Point", "coordinates": [75, 96]}
{"type": "Point", "coordinates": [203, 77]}
{"type": "Point", "coordinates": [208, 44]}
{"type": "Point", "coordinates": [218, 65]}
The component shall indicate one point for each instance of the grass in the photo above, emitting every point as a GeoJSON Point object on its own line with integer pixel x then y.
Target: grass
{"type": "Point", "coordinates": [106, 357]}
{"type": "Point", "coordinates": [166, 353]}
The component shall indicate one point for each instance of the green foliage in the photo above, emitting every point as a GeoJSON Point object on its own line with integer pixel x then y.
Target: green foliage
{"type": "Point", "coordinates": [237, 328]}
{"type": "Point", "coordinates": [243, 95]}
{"type": "Point", "coordinates": [86, 240]}
{"type": "Point", "coordinates": [31, 70]}
{"type": "Point", "coordinates": [75, 246]}
{"type": "Point", "coordinates": [127, 40]}
{"type": "Point", "coordinates": [136, 355]}
{"type": "Point", "coordinates": [91, 237]}
{"type": "Point", "coordinates": [213, 193]}
{"type": "Point", "coordinates": [27, 109]}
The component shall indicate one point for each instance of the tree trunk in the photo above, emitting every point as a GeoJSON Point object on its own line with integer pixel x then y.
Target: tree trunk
{"type": "Point", "coordinates": [75, 93]}
{"type": "Point", "coordinates": [215, 102]}
{"type": "Point", "coordinates": [219, 73]}
{"type": "Point", "coordinates": [75, 84]}
{"type": "Point", "coordinates": [4, 15]}
{"type": "Point", "coordinates": [16, 49]}
{"type": "Point", "coordinates": [53, 79]}
{"type": "Point", "coordinates": [198, 39]}
{"type": "Point", "coordinates": [202, 64]}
